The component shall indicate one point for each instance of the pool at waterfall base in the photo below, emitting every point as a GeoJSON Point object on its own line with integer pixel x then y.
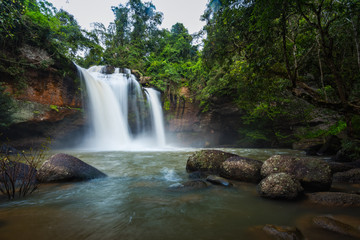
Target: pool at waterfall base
{"type": "Point", "coordinates": [135, 202]}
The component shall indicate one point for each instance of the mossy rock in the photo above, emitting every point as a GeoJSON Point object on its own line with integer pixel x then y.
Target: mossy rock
{"type": "Point", "coordinates": [241, 169]}
{"type": "Point", "coordinates": [280, 186]}
{"type": "Point", "coordinates": [334, 199]}
{"type": "Point", "coordinates": [314, 174]}
{"type": "Point", "coordinates": [207, 161]}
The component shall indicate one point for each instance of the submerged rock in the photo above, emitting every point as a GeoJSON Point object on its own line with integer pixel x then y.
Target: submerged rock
{"type": "Point", "coordinates": [198, 175]}
{"type": "Point", "coordinates": [280, 186]}
{"type": "Point", "coordinates": [283, 232]}
{"type": "Point", "coordinates": [218, 180]}
{"type": "Point", "coordinates": [335, 199]}
{"type": "Point", "coordinates": [241, 169]}
{"type": "Point", "coordinates": [314, 174]}
{"type": "Point", "coordinates": [334, 225]}
{"type": "Point", "coordinates": [189, 185]}
{"type": "Point", "coordinates": [207, 161]}
{"type": "Point", "coordinates": [350, 176]}
{"type": "Point", "coordinates": [65, 168]}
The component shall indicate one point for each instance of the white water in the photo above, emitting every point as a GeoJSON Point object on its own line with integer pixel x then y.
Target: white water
{"type": "Point", "coordinates": [156, 115]}
{"type": "Point", "coordinates": [120, 117]}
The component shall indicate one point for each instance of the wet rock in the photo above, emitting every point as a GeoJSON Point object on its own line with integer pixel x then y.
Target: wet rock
{"type": "Point", "coordinates": [207, 161]}
{"type": "Point", "coordinates": [314, 174]}
{"type": "Point", "coordinates": [241, 169]}
{"type": "Point", "coordinates": [197, 175]}
{"type": "Point", "coordinates": [8, 150]}
{"type": "Point", "coordinates": [334, 225]}
{"type": "Point", "coordinates": [350, 176]}
{"type": "Point", "coordinates": [280, 186]}
{"type": "Point", "coordinates": [65, 168]}
{"type": "Point", "coordinates": [218, 180]}
{"type": "Point", "coordinates": [335, 199]}
{"type": "Point", "coordinates": [283, 232]}
{"type": "Point", "coordinates": [340, 167]}
{"type": "Point", "coordinates": [189, 185]}
{"type": "Point", "coordinates": [17, 172]}
{"type": "Point", "coordinates": [108, 70]}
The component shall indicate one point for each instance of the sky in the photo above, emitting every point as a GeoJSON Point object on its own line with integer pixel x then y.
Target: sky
{"type": "Point", "coordinates": [187, 12]}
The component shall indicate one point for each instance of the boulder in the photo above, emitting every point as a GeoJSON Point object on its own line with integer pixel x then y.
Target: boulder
{"type": "Point", "coordinates": [314, 174]}
{"type": "Point", "coordinates": [218, 180]}
{"type": "Point", "coordinates": [17, 172]}
{"type": "Point", "coordinates": [280, 186]}
{"type": "Point", "coordinates": [282, 232]}
{"type": "Point", "coordinates": [207, 161]}
{"type": "Point", "coordinates": [335, 199]}
{"type": "Point", "coordinates": [350, 176]}
{"type": "Point", "coordinates": [241, 169]}
{"type": "Point", "coordinates": [66, 168]}
{"type": "Point", "coordinates": [334, 225]}
{"type": "Point", "coordinates": [189, 185]}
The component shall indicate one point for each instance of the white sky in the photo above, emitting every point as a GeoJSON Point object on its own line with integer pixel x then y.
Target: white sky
{"type": "Point", "coordinates": [187, 12]}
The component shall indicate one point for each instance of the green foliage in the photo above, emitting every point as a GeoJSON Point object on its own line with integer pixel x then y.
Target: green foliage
{"type": "Point", "coordinates": [54, 107]}
{"type": "Point", "coordinates": [351, 147]}
{"type": "Point", "coordinates": [334, 129]}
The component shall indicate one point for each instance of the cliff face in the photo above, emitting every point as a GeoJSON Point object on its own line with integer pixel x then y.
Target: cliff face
{"type": "Point", "coordinates": [48, 107]}
{"type": "Point", "coordinates": [191, 127]}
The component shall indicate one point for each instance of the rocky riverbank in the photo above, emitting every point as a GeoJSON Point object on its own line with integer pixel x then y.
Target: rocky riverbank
{"type": "Point", "coordinates": [282, 177]}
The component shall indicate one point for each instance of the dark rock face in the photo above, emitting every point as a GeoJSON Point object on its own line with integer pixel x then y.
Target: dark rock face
{"type": "Point", "coordinates": [350, 176]}
{"type": "Point", "coordinates": [280, 186]}
{"type": "Point", "coordinates": [314, 174]}
{"type": "Point", "coordinates": [340, 167]}
{"type": "Point", "coordinates": [241, 169]}
{"type": "Point", "coordinates": [65, 168]}
{"type": "Point", "coordinates": [207, 161]}
{"type": "Point", "coordinates": [189, 186]}
{"type": "Point", "coordinates": [218, 181]}
{"type": "Point", "coordinates": [16, 171]}
{"type": "Point", "coordinates": [333, 225]}
{"type": "Point", "coordinates": [335, 199]}
{"type": "Point", "coordinates": [108, 70]}
{"type": "Point", "coordinates": [282, 232]}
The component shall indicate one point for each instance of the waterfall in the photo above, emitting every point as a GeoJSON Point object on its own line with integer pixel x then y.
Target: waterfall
{"type": "Point", "coordinates": [156, 115]}
{"type": "Point", "coordinates": [121, 116]}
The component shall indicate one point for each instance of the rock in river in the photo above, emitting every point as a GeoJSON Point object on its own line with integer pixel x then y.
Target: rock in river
{"type": "Point", "coordinates": [280, 186]}
{"type": "Point", "coordinates": [207, 161]}
{"type": "Point", "coordinates": [314, 174]}
{"type": "Point", "coordinates": [283, 232]}
{"type": "Point", "coordinates": [334, 225]}
{"type": "Point", "coordinates": [189, 186]}
{"type": "Point", "coordinates": [335, 199]}
{"type": "Point", "coordinates": [65, 168]}
{"type": "Point", "coordinates": [218, 181]}
{"type": "Point", "coordinates": [351, 176]}
{"type": "Point", "coordinates": [241, 169]}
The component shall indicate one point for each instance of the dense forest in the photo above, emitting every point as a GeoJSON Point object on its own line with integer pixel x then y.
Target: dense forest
{"type": "Point", "coordinates": [275, 60]}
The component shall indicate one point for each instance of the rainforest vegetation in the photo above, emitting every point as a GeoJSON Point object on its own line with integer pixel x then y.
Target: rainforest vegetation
{"type": "Point", "coordinates": [275, 60]}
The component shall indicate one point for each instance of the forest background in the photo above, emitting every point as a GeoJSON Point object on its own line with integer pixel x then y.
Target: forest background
{"type": "Point", "coordinates": [275, 60]}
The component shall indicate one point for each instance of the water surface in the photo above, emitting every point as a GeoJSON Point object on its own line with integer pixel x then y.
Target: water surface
{"type": "Point", "coordinates": [134, 202]}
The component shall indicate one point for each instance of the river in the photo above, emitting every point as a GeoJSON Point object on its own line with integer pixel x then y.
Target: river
{"type": "Point", "coordinates": [135, 202]}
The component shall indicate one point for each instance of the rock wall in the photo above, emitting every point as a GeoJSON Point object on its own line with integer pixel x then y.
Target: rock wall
{"type": "Point", "coordinates": [189, 126]}
{"type": "Point", "coordinates": [48, 108]}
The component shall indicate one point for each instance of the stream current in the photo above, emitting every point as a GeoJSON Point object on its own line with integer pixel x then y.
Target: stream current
{"type": "Point", "coordinates": [134, 202]}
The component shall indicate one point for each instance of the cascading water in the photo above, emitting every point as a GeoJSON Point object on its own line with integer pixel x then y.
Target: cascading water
{"type": "Point", "coordinates": [156, 115]}
{"type": "Point", "coordinates": [121, 118]}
